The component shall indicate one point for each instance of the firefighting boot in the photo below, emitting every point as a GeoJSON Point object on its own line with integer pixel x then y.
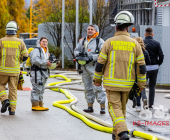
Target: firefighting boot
{"type": "Point", "coordinates": [41, 105]}
{"type": "Point", "coordinates": [124, 135]}
{"type": "Point", "coordinates": [102, 111]}
{"type": "Point", "coordinates": [11, 112]}
{"type": "Point", "coordinates": [5, 104]}
{"type": "Point", "coordinates": [36, 107]}
{"type": "Point", "coordinates": [89, 109]}
{"type": "Point", "coordinates": [113, 137]}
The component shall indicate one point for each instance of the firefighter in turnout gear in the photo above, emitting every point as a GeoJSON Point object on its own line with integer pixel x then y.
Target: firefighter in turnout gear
{"type": "Point", "coordinates": [89, 48]}
{"type": "Point", "coordinates": [12, 51]}
{"type": "Point", "coordinates": [116, 62]}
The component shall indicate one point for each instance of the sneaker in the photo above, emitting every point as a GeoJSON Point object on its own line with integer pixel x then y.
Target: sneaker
{"type": "Point", "coordinates": [150, 107]}
{"type": "Point", "coordinates": [145, 106]}
{"type": "Point", "coordinates": [138, 108]}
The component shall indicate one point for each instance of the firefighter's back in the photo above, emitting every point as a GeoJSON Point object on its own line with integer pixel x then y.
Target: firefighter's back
{"type": "Point", "coordinates": [119, 74]}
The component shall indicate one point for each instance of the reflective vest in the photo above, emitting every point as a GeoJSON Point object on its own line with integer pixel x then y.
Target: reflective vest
{"type": "Point", "coordinates": [119, 56]}
{"type": "Point", "coordinates": [12, 50]}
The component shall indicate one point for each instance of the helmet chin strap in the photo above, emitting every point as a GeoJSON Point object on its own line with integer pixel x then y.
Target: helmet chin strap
{"type": "Point", "coordinates": [11, 32]}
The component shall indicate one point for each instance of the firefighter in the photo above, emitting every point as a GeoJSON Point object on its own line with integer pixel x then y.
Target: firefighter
{"type": "Point", "coordinates": [39, 73]}
{"type": "Point", "coordinates": [12, 51]}
{"type": "Point", "coordinates": [91, 46]}
{"type": "Point", "coordinates": [116, 62]}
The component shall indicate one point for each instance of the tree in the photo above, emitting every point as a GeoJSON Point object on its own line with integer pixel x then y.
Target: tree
{"type": "Point", "coordinates": [17, 13]}
{"type": "Point", "coordinates": [71, 19]}
{"type": "Point", "coordinates": [4, 16]}
{"type": "Point", "coordinates": [50, 14]}
{"type": "Point", "coordinates": [101, 13]}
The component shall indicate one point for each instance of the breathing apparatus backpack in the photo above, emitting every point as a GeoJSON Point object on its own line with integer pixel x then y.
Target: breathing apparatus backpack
{"type": "Point", "coordinates": [35, 68]}
{"type": "Point", "coordinates": [83, 57]}
{"type": "Point", "coordinates": [52, 58]}
{"type": "Point", "coordinates": [28, 62]}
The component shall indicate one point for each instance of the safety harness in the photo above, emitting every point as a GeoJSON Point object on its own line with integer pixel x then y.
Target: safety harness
{"type": "Point", "coordinates": [97, 44]}
{"type": "Point", "coordinates": [96, 51]}
{"type": "Point", "coordinates": [36, 68]}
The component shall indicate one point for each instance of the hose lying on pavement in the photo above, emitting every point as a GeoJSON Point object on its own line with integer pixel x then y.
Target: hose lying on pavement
{"type": "Point", "coordinates": [83, 118]}
{"type": "Point", "coordinates": [167, 96]}
{"type": "Point", "coordinates": [73, 100]}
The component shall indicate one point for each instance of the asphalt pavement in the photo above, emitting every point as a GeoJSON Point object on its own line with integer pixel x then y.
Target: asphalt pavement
{"type": "Point", "coordinates": [57, 124]}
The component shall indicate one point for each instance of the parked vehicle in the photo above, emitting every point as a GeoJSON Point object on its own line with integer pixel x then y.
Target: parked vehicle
{"type": "Point", "coordinates": [30, 42]}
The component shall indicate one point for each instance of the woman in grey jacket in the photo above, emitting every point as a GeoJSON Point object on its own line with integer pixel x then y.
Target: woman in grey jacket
{"type": "Point", "coordinates": [39, 73]}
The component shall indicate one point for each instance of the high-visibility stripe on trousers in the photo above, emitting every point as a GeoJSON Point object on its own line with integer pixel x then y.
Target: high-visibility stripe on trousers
{"type": "Point", "coordinates": [12, 82]}
{"type": "Point", "coordinates": [117, 101]}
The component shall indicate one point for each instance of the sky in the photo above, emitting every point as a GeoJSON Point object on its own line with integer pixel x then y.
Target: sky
{"type": "Point", "coordinates": [27, 3]}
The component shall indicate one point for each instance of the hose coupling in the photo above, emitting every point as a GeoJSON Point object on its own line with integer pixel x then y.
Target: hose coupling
{"type": "Point", "coordinates": [131, 132]}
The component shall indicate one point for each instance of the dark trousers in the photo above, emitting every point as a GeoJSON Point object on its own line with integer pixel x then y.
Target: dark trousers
{"type": "Point", "coordinates": [143, 95]}
{"type": "Point", "coordinates": [152, 76]}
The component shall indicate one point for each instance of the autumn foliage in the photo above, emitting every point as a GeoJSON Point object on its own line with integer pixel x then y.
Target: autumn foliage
{"type": "Point", "coordinates": [13, 10]}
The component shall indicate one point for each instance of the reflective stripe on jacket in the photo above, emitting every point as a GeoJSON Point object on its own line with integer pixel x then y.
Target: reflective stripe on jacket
{"type": "Point", "coordinates": [118, 57]}
{"type": "Point", "coordinates": [12, 51]}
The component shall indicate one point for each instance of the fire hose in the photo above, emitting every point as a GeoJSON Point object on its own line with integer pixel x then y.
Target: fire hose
{"type": "Point", "coordinates": [105, 126]}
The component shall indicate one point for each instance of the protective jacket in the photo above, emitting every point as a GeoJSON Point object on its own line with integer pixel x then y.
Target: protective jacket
{"type": "Point", "coordinates": [38, 76]}
{"type": "Point", "coordinates": [117, 61]}
{"type": "Point", "coordinates": [154, 49]}
{"type": "Point", "coordinates": [12, 51]}
{"type": "Point", "coordinates": [91, 91]}
{"type": "Point", "coordinates": [90, 48]}
{"type": "Point", "coordinates": [39, 58]}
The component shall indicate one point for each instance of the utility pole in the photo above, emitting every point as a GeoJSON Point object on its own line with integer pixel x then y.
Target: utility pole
{"type": "Point", "coordinates": [77, 25]}
{"type": "Point", "coordinates": [30, 18]}
{"type": "Point", "coordinates": [91, 10]}
{"type": "Point", "coordinates": [62, 40]}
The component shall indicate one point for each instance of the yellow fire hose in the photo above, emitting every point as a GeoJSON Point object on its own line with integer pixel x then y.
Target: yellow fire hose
{"type": "Point", "coordinates": [84, 119]}
{"type": "Point", "coordinates": [89, 123]}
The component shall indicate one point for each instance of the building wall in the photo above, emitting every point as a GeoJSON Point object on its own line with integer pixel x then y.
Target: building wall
{"type": "Point", "coordinates": [166, 16]}
{"type": "Point", "coordinates": [142, 10]}
{"type": "Point", "coordinates": [162, 35]}
{"type": "Point", "coordinates": [41, 33]}
{"type": "Point", "coordinates": [163, 16]}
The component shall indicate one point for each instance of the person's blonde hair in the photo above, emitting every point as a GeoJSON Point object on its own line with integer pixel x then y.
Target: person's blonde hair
{"type": "Point", "coordinates": [140, 40]}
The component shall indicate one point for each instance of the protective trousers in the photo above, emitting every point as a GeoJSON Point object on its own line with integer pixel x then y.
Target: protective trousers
{"type": "Point", "coordinates": [12, 82]}
{"type": "Point", "coordinates": [117, 101]}
{"type": "Point", "coordinates": [37, 88]}
{"type": "Point", "coordinates": [91, 91]}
